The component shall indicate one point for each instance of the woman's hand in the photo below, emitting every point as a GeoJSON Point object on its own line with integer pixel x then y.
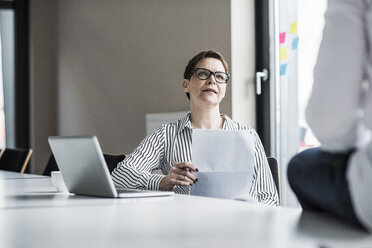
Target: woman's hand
{"type": "Point", "coordinates": [179, 174]}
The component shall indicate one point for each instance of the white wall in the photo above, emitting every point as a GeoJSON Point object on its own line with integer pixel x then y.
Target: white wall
{"type": "Point", "coordinates": [243, 64]}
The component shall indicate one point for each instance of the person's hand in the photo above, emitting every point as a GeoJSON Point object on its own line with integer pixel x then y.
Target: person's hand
{"type": "Point", "coordinates": [179, 174]}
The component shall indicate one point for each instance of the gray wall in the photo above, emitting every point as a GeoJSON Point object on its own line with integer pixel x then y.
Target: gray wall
{"type": "Point", "coordinates": [43, 70]}
{"type": "Point", "coordinates": [99, 66]}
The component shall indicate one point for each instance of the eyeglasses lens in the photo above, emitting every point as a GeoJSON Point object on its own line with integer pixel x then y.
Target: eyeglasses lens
{"type": "Point", "coordinates": [204, 74]}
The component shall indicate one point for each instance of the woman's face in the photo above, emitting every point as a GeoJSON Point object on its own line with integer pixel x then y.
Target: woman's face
{"type": "Point", "coordinates": [208, 91]}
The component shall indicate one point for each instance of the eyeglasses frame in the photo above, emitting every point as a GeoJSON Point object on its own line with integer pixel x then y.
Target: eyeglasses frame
{"type": "Point", "coordinates": [211, 73]}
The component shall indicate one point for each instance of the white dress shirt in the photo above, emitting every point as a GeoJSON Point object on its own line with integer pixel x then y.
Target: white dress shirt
{"type": "Point", "coordinates": [340, 108]}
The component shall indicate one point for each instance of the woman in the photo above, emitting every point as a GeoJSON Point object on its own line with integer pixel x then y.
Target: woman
{"type": "Point", "coordinates": [169, 148]}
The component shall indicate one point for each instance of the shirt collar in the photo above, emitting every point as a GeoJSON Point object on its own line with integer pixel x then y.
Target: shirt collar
{"type": "Point", "coordinates": [186, 123]}
{"type": "Point", "coordinates": [228, 123]}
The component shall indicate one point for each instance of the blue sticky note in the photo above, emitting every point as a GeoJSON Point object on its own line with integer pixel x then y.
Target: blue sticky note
{"type": "Point", "coordinates": [295, 43]}
{"type": "Point", "coordinates": [283, 69]}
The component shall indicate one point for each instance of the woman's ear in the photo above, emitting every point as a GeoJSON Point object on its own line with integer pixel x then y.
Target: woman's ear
{"type": "Point", "coordinates": [185, 85]}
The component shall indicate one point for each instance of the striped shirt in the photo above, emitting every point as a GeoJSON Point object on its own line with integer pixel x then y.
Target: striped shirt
{"type": "Point", "coordinates": [170, 144]}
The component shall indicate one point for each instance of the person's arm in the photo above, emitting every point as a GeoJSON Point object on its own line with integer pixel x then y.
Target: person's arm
{"type": "Point", "coordinates": [135, 172]}
{"type": "Point", "coordinates": [263, 188]}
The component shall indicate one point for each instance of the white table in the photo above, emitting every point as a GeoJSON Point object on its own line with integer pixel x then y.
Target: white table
{"type": "Point", "coordinates": [32, 214]}
{"type": "Point", "coordinates": [16, 175]}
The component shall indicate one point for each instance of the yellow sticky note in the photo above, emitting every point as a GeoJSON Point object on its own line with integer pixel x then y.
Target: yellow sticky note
{"type": "Point", "coordinates": [293, 29]}
{"type": "Point", "coordinates": [283, 53]}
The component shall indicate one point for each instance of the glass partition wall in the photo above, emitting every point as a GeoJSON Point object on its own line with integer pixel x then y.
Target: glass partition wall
{"type": "Point", "coordinates": [295, 32]}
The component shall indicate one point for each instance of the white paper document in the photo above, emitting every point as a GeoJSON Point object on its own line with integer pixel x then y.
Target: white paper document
{"type": "Point", "coordinates": [225, 160]}
{"type": "Point", "coordinates": [228, 185]}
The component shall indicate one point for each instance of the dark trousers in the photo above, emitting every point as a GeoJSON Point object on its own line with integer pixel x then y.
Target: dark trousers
{"type": "Point", "coordinates": [318, 179]}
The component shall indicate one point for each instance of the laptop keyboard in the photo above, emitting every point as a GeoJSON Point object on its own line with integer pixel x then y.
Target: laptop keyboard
{"type": "Point", "coordinates": [122, 190]}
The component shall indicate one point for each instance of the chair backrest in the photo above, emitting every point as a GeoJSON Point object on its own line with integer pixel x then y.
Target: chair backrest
{"type": "Point", "coordinates": [111, 160]}
{"type": "Point", "coordinates": [274, 168]}
{"type": "Point", "coordinates": [51, 166]}
{"type": "Point", "coordinates": [15, 159]}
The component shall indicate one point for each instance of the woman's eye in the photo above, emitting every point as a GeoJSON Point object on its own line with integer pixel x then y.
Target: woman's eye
{"type": "Point", "coordinates": [220, 77]}
{"type": "Point", "coordinates": [202, 74]}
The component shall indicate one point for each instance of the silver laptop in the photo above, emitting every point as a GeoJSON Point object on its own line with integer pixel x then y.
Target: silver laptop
{"type": "Point", "coordinates": [84, 168]}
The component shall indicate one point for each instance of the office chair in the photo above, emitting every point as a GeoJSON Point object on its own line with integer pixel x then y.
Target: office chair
{"type": "Point", "coordinates": [50, 166]}
{"type": "Point", "coordinates": [111, 161]}
{"type": "Point", "coordinates": [274, 168]}
{"type": "Point", "coordinates": [15, 159]}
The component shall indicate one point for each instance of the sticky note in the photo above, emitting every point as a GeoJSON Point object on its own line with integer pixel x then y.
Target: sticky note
{"type": "Point", "coordinates": [295, 43]}
{"type": "Point", "coordinates": [293, 29]}
{"type": "Point", "coordinates": [283, 53]}
{"type": "Point", "coordinates": [282, 38]}
{"type": "Point", "coordinates": [283, 69]}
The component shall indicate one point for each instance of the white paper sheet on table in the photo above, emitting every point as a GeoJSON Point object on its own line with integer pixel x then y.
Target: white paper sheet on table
{"type": "Point", "coordinates": [225, 160]}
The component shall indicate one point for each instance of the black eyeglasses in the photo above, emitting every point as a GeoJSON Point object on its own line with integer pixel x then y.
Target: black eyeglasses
{"type": "Point", "coordinates": [204, 74]}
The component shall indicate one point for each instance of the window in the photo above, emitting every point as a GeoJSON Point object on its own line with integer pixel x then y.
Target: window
{"type": "Point", "coordinates": [300, 32]}
{"type": "Point", "coordinates": [7, 80]}
{"type": "Point", "coordinates": [14, 80]}
{"type": "Point", "coordinates": [288, 34]}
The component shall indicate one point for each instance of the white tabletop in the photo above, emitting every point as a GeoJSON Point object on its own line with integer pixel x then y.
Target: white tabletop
{"type": "Point", "coordinates": [15, 175]}
{"type": "Point", "coordinates": [32, 214]}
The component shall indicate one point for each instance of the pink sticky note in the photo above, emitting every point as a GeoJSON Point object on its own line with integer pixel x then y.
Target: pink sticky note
{"type": "Point", "coordinates": [282, 37]}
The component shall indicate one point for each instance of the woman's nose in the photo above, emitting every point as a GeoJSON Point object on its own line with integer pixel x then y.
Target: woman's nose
{"type": "Point", "coordinates": [211, 80]}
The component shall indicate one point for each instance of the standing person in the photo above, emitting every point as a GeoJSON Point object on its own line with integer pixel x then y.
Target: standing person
{"type": "Point", "coordinates": [169, 148]}
{"type": "Point", "coordinates": [337, 177]}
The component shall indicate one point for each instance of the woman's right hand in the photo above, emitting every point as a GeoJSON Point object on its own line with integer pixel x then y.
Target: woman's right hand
{"type": "Point", "coordinates": [179, 174]}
